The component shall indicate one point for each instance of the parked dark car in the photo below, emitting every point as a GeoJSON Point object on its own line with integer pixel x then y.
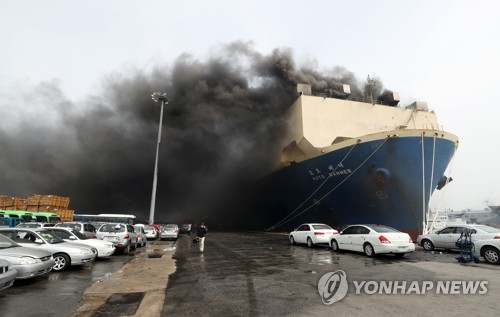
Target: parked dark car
{"type": "Point", "coordinates": [185, 228]}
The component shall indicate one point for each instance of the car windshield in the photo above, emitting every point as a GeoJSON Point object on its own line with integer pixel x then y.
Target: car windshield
{"type": "Point", "coordinates": [488, 229]}
{"type": "Point", "coordinates": [50, 237]}
{"type": "Point", "coordinates": [112, 228]}
{"type": "Point", "coordinates": [380, 229]}
{"type": "Point", "coordinates": [75, 226]}
{"type": "Point", "coordinates": [7, 243]}
{"type": "Point", "coordinates": [319, 227]}
{"type": "Point", "coordinates": [28, 225]}
{"type": "Point", "coordinates": [79, 235]}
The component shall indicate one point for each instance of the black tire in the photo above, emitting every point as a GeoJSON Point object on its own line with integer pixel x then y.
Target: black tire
{"type": "Point", "coordinates": [427, 245]}
{"type": "Point", "coordinates": [292, 241]}
{"type": "Point", "coordinates": [310, 243]}
{"type": "Point", "coordinates": [335, 245]}
{"type": "Point", "coordinates": [369, 252]}
{"type": "Point", "coordinates": [126, 250]}
{"type": "Point", "coordinates": [134, 247]}
{"type": "Point", "coordinates": [62, 262]}
{"type": "Point", "coordinates": [491, 255]}
{"type": "Point", "coordinates": [399, 255]}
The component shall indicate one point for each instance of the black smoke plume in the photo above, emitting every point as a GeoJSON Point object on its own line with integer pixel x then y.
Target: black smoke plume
{"type": "Point", "coordinates": [220, 127]}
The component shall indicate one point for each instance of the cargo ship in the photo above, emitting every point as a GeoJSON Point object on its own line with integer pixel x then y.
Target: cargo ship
{"type": "Point", "coordinates": [346, 160]}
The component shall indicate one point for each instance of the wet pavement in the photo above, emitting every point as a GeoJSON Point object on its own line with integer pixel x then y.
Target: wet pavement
{"type": "Point", "coordinates": [258, 274]}
{"type": "Point", "coordinates": [248, 274]}
{"type": "Point", "coordinates": [57, 293]}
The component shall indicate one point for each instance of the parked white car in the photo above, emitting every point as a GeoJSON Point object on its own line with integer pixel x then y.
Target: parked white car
{"type": "Point", "coordinates": [373, 239]}
{"type": "Point", "coordinates": [312, 233]}
{"type": "Point", "coordinates": [151, 232]}
{"type": "Point", "coordinates": [142, 239]}
{"type": "Point", "coordinates": [489, 249]}
{"type": "Point", "coordinates": [121, 235]}
{"type": "Point", "coordinates": [65, 253]}
{"type": "Point", "coordinates": [104, 249]}
{"type": "Point", "coordinates": [28, 262]}
{"type": "Point", "coordinates": [447, 237]}
{"type": "Point", "coordinates": [7, 274]}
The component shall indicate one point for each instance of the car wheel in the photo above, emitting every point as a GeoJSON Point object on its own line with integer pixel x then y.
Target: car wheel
{"type": "Point", "coordinates": [491, 255]}
{"type": "Point", "coordinates": [310, 243]}
{"type": "Point", "coordinates": [292, 240]}
{"type": "Point", "coordinates": [335, 245]}
{"type": "Point", "coordinates": [62, 262]}
{"type": "Point", "coordinates": [427, 245]}
{"type": "Point", "coordinates": [134, 247]}
{"type": "Point", "coordinates": [126, 250]}
{"type": "Point", "coordinates": [369, 250]}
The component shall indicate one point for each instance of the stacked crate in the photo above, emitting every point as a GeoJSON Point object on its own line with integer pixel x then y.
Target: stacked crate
{"type": "Point", "coordinates": [65, 214]}
{"type": "Point", "coordinates": [51, 203]}
{"type": "Point", "coordinates": [41, 203]}
{"type": "Point", "coordinates": [7, 202]}
{"type": "Point", "coordinates": [47, 203]}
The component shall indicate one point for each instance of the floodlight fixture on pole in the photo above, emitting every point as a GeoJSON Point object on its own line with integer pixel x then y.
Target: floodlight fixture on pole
{"type": "Point", "coordinates": [157, 96]}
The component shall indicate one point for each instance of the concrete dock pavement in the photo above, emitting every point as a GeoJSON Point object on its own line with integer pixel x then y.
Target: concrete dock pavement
{"type": "Point", "coordinates": [261, 274]}
{"type": "Point", "coordinates": [137, 289]}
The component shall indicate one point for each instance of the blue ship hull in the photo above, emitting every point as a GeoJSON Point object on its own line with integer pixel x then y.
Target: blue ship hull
{"type": "Point", "coordinates": [386, 181]}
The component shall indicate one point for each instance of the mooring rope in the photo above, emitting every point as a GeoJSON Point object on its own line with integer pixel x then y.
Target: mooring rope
{"type": "Point", "coordinates": [338, 185]}
{"type": "Point", "coordinates": [314, 192]}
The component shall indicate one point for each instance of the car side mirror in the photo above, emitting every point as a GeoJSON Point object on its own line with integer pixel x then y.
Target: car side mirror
{"type": "Point", "coordinates": [72, 238]}
{"type": "Point", "coordinates": [39, 241]}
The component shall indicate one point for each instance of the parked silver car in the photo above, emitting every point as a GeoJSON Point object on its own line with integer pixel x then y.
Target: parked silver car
{"type": "Point", "coordinates": [447, 237]}
{"type": "Point", "coordinates": [170, 231]}
{"type": "Point", "coordinates": [35, 225]}
{"type": "Point", "coordinates": [489, 249]}
{"type": "Point", "coordinates": [122, 235]}
{"type": "Point", "coordinates": [86, 228]}
{"type": "Point", "coordinates": [65, 253]}
{"type": "Point", "coordinates": [7, 274]}
{"type": "Point", "coordinates": [28, 262]}
{"type": "Point", "coordinates": [104, 249]}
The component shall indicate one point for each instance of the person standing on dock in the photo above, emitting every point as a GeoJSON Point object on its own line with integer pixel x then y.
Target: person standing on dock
{"type": "Point", "coordinates": [201, 233]}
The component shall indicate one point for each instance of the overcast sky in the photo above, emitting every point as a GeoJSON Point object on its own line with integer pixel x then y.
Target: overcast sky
{"type": "Point", "coordinates": [446, 53]}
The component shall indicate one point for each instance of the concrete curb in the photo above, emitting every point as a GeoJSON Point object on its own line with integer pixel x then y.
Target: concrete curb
{"type": "Point", "coordinates": [142, 274]}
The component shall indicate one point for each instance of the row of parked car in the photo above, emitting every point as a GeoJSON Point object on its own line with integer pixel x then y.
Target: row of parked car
{"type": "Point", "coordinates": [33, 249]}
{"type": "Point", "coordinates": [379, 239]}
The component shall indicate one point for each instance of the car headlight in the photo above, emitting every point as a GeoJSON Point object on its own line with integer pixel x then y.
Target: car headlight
{"type": "Point", "coordinates": [85, 251]}
{"type": "Point", "coordinates": [27, 260]}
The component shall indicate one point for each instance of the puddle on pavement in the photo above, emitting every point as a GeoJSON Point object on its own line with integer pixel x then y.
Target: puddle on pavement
{"type": "Point", "coordinates": [120, 304]}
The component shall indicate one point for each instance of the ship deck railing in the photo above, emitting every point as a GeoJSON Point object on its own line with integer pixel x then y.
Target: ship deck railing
{"type": "Point", "coordinates": [348, 97]}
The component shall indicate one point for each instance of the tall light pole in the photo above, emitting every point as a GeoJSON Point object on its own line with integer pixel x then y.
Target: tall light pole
{"type": "Point", "coordinates": [157, 96]}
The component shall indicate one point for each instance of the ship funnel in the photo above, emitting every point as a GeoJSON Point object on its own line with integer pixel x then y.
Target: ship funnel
{"type": "Point", "coordinates": [393, 99]}
{"type": "Point", "coordinates": [346, 89]}
{"type": "Point", "coordinates": [418, 105]}
{"type": "Point", "coordinates": [304, 89]}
